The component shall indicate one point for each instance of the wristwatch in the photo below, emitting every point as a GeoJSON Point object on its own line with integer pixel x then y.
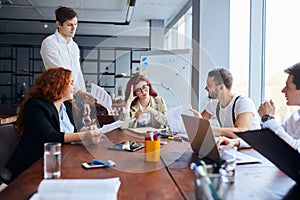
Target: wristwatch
{"type": "Point", "coordinates": [266, 117]}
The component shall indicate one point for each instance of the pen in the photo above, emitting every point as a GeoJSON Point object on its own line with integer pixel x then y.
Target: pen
{"type": "Point", "coordinates": [175, 139]}
{"type": "Point", "coordinates": [195, 168]}
{"type": "Point", "coordinates": [204, 166]}
{"type": "Point", "coordinates": [207, 179]}
{"type": "Point", "coordinates": [206, 188]}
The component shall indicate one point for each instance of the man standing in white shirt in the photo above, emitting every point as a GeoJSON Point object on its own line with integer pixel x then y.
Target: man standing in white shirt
{"type": "Point", "coordinates": [290, 129]}
{"type": "Point", "coordinates": [59, 49]}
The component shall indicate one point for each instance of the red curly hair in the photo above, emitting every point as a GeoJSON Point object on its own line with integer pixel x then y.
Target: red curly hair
{"type": "Point", "coordinates": [134, 80]}
{"type": "Point", "coordinates": [49, 85]}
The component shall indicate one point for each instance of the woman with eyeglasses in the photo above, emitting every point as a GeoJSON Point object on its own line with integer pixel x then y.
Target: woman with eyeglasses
{"type": "Point", "coordinates": [143, 104]}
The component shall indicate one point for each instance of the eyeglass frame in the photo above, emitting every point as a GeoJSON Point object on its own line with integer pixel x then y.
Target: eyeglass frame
{"type": "Point", "coordinates": [144, 88]}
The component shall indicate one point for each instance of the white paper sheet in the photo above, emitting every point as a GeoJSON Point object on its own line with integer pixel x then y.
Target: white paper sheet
{"type": "Point", "coordinates": [174, 118]}
{"type": "Point", "coordinates": [77, 189]}
{"type": "Point", "coordinates": [102, 96]}
{"type": "Point", "coordinates": [112, 126]}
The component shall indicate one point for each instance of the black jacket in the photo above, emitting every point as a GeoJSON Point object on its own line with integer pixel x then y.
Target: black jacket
{"type": "Point", "coordinates": [41, 125]}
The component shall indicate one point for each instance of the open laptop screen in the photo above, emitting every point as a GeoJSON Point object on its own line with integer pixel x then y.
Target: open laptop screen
{"type": "Point", "coordinates": [203, 142]}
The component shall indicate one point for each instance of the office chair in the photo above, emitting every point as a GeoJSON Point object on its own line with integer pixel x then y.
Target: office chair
{"type": "Point", "coordinates": [8, 143]}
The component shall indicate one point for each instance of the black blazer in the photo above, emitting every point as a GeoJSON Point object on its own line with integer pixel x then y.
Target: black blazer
{"type": "Point", "coordinates": [41, 125]}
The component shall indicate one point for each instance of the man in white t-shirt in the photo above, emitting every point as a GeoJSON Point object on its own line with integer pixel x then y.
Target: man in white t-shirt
{"type": "Point", "coordinates": [59, 49]}
{"type": "Point", "coordinates": [234, 112]}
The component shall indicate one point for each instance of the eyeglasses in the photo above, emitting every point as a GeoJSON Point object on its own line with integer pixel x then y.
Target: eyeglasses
{"type": "Point", "coordinates": [144, 88]}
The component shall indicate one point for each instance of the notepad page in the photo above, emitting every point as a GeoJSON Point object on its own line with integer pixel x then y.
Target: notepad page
{"type": "Point", "coordinates": [59, 189]}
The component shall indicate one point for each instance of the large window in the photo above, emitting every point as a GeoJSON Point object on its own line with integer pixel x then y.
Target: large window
{"type": "Point", "coordinates": [179, 36]}
{"type": "Point", "coordinates": [239, 45]}
{"type": "Point", "coordinates": [282, 50]}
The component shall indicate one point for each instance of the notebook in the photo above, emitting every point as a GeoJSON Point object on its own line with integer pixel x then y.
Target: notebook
{"type": "Point", "coordinates": [203, 142]}
{"type": "Point", "coordinates": [280, 153]}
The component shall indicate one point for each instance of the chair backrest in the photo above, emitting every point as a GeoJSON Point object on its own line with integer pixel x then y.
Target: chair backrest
{"type": "Point", "coordinates": [8, 143]}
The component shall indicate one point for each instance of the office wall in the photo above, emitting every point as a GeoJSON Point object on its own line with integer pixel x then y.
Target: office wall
{"type": "Point", "coordinates": [211, 25]}
{"type": "Point", "coordinates": [23, 57]}
{"type": "Point", "coordinates": [119, 41]}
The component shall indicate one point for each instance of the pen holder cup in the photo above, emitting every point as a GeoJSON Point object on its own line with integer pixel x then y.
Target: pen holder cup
{"type": "Point", "coordinates": [204, 191]}
{"type": "Point", "coordinates": [152, 150]}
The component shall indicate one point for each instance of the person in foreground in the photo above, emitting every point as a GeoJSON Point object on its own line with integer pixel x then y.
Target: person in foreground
{"type": "Point", "coordinates": [234, 112]}
{"type": "Point", "coordinates": [46, 116]}
{"type": "Point", "coordinates": [59, 49]}
{"type": "Point", "coordinates": [143, 104]}
{"type": "Point", "coordinates": [290, 129]}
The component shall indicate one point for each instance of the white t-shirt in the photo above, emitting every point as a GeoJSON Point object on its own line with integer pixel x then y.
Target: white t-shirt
{"type": "Point", "coordinates": [242, 105]}
{"type": "Point", "coordinates": [144, 119]}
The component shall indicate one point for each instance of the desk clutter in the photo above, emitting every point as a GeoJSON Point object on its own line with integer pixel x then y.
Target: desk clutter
{"type": "Point", "coordinates": [208, 180]}
{"type": "Point", "coordinates": [78, 189]}
{"type": "Point", "coordinates": [164, 133]}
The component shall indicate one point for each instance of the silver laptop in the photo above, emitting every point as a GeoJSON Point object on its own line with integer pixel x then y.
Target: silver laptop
{"type": "Point", "coordinates": [203, 142]}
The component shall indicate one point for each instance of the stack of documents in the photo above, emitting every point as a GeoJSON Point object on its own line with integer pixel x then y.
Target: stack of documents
{"type": "Point", "coordinates": [78, 189]}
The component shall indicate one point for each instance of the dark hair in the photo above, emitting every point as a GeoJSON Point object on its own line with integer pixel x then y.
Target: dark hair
{"type": "Point", "coordinates": [49, 85]}
{"type": "Point", "coordinates": [295, 71]}
{"type": "Point", "coordinates": [63, 14]}
{"type": "Point", "coordinates": [221, 76]}
{"type": "Point", "coordinates": [133, 81]}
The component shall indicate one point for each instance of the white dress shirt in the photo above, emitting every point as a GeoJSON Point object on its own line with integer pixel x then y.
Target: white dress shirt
{"type": "Point", "coordinates": [56, 51]}
{"type": "Point", "coordinates": [289, 130]}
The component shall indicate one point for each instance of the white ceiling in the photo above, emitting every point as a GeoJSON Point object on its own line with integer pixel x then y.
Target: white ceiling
{"type": "Point", "coordinates": [29, 16]}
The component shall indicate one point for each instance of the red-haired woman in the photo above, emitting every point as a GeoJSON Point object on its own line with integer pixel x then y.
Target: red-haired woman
{"type": "Point", "coordinates": [143, 104]}
{"type": "Point", "coordinates": [46, 116]}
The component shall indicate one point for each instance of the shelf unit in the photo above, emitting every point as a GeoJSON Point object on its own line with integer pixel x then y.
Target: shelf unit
{"type": "Point", "coordinates": [18, 67]}
{"type": "Point", "coordinates": [7, 82]}
{"type": "Point", "coordinates": [104, 66]}
{"type": "Point", "coordinates": [109, 67]}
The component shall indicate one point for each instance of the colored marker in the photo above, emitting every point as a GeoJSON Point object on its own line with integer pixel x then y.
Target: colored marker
{"type": "Point", "coordinates": [175, 139]}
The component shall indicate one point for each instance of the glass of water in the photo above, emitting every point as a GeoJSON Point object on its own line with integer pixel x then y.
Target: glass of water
{"type": "Point", "coordinates": [228, 153]}
{"type": "Point", "coordinates": [52, 160]}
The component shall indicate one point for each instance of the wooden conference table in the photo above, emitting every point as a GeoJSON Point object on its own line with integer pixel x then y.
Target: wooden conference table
{"type": "Point", "coordinates": [170, 178]}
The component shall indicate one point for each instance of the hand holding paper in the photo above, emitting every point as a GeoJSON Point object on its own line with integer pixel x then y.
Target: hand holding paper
{"type": "Point", "coordinates": [102, 97]}
{"type": "Point", "coordinates": [112, 126]}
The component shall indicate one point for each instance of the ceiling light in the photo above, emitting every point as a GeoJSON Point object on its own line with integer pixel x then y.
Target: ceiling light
{"type": "Point", "coordinates": [130, 9]}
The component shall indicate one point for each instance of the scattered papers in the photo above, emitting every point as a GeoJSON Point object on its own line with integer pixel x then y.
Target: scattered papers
{"type": "Point", "coordinates": [102, 96]}
{"type": "Point", "coordinates": [143, 130]}
{"type": "Point", "coordinates": [78, 189]}
{"type": "Point", "coordinates": [112, 126]}
{"type": "Point", "coordinates": [174, 118]}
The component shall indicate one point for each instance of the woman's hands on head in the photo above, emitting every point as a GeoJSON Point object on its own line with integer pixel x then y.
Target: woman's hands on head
{"type": "Point", "coordinates": [130, 99]}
